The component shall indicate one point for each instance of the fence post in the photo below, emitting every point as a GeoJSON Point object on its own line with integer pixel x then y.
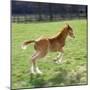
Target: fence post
{"type": "Point", "coordinates": [50, 12]}
{"type": "Point", "coordinates": [39, 12]}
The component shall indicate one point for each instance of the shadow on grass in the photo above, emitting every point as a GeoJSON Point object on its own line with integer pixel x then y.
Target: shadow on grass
{"type": "Point", "coordinates": [64, 77]}
{"type": "Point", "coordinates": [58, 78]}
{"type": "Point", "coordinates": [37, 81]}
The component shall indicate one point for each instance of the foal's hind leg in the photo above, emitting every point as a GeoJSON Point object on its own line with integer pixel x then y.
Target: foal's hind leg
{"type": "Point", "coordinates": [34, 68]}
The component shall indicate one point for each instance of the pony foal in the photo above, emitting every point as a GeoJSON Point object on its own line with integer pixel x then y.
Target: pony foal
{"type": "Point", "coordinates": [44, 45]}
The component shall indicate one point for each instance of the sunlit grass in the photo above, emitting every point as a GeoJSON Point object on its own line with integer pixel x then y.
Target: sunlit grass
{"type": "Point", "coordinates": [73, 70]}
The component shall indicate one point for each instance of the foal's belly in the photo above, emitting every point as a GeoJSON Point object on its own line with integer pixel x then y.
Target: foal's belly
{"type": "Point", "coordinates": [55, 47]}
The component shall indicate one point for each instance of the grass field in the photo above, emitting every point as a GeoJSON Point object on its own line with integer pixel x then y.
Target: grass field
{"type": "Point", "coordinates": [73, 70]}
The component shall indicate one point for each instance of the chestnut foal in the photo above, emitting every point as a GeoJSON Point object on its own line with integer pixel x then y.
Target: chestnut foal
{"type": "Point", "coordinates": [45, 44]}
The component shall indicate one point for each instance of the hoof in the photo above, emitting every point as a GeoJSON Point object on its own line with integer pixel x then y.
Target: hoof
{"type": "Point", "coordinates": [58, 62]}
{"type": "Point", "coordinates": [35, 71]}
{"type": "Point", "coordinates": [32, 71]}
{"type": "Point", "coordinates": [38, 71]}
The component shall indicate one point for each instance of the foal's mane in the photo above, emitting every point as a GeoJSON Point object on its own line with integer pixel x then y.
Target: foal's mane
{"type": "Point", "coordinates": [59, 33]}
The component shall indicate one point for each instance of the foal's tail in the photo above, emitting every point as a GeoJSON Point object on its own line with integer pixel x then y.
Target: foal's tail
{"type": "Point", "coordinates": [24, 45]}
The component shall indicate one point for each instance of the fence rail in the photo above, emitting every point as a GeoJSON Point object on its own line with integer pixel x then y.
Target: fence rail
{"type": "Point", "coordinates": [31, 18]}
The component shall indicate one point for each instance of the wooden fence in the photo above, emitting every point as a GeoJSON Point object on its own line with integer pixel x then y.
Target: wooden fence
{"type": "Point", "coordinates": [35, 11]}
{"type": "Point", "coordinates": [32, 18]}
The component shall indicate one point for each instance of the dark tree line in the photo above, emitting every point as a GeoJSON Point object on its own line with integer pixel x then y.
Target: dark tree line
{"type": "Point", "coordinates": [33, 7]}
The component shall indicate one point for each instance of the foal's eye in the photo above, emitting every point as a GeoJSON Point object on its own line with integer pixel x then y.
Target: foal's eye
{"type": "Point", "coordinates": [71, 31]}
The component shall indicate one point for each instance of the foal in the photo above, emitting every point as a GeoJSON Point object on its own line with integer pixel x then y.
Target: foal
{"type": "Point", "coordinates": [45, 44]}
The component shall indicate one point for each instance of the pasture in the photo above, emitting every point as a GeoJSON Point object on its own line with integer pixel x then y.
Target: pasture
{"type": "Point", "coordinates": [73, 69]}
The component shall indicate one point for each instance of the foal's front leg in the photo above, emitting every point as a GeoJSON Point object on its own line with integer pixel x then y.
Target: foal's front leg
{"type": "Point", "coordinates": [61, 55]}
{"type": "Point", "coordinates": [59, 58]}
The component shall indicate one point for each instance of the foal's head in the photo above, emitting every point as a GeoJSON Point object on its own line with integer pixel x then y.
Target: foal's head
{"type": "Point", "coordinates": [69, 30]}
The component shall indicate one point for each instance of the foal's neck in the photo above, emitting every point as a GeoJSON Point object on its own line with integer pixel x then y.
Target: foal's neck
{"type": "Point", "coordinates": [62, 36]}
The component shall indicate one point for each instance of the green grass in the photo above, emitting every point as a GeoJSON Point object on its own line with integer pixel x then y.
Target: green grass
{"type": "Point", "coordinates": [73, 70]}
